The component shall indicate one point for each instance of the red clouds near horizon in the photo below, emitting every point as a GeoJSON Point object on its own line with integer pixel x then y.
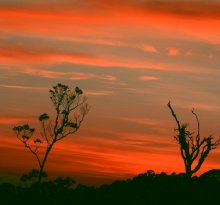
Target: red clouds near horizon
{"type": "Point", "coordinates": [130, 57]}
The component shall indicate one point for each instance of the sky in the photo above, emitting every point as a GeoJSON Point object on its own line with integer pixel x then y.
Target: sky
{"type": "Point", "coordinates": [130, 57]}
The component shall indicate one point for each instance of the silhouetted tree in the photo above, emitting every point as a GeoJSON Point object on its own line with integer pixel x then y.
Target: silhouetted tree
{"type": "Point", "coordinates": [192, 147]}
{"type": "Point", "coordinates": [71, 107]}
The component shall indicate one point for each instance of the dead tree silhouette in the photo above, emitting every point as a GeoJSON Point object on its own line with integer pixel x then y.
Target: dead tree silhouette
{"type": "Point", "coordinates": [193, 149]}
{"type": "Point", "coordinates": [71, 107]}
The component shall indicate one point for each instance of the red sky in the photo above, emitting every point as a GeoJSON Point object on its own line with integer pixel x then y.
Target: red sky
{"type": "Point", "coordinates": [130, 58]}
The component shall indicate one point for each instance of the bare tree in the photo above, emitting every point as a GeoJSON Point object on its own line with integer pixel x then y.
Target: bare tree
{"type": "Point", "coordinates": [193, 149]}
{"type": "Point", "coordinates": [71, 107]}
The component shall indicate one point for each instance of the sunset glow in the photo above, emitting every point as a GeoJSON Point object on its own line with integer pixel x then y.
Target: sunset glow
{"type": "Point", "coordinates": [130, 59]}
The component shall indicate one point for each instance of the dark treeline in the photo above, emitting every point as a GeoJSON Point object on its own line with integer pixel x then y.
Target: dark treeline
{"type": "Point", "coordinates": [147, 188]}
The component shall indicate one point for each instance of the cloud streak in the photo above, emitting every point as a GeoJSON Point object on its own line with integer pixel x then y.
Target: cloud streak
{"type": "Point", "coordinates": [148, 78]}
{"type": "Point", "coordinates": [180, 7]}
{"type": "Point", "coordinates": [9, 120]}
{"type": "Point", "coordinates": [98, 93]}
{"type": "Point", "coordinates": [135, 13]}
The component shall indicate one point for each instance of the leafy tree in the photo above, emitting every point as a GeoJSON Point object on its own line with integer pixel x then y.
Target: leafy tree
{"type": "Point", "coordinates": [193, 149]}
{"type": "Point", "coordinates": [71, 107]}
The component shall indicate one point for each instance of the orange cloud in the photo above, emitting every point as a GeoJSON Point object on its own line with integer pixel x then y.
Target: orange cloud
{"type": "Point", "coordinates": [173, 51]}
{"type": "Point", "coordinates": [50, 23]}
{"type": "Point", "coordinates": [148, 78]}
{"type": "Point", "coordinates": [101, 61]}
{"type": "Point", "coordinates": [106, 42]}
{"type": "Point", "coordinates": [182, 7]}
{"type": "Point", "coordinates": [38, 55]}
{"type": "Point", "coordinates": [149, 48]}
{"type": "Point", "coordinates": [81, 76]}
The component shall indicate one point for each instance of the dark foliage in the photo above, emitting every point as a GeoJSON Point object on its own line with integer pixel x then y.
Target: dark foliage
{"type": "Point", "coordinates": [147, 188]}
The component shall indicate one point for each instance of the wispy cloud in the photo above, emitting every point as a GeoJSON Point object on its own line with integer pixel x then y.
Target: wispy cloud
{"type": "Point", "coordinates": [71, 75]}
{"type": "Point", "coordinates": [10, 120]}
{"type": "Point", "coordinates": [108, 77]}
{"type": "Point", "coordinates": [149, 48]}
{"type": "Point", "coordinates": [148, 78]}
{"type": "Point", "coordinates": [144, 121]}
{"type": "Point", "coordinates": [43, 73]}
{"type": "Point", "coordinates": [198, 106]}
{"type": "Point", "coordinates": [166, 14]}
{"type": "Point", "coordinates": [39, 57]}
{"type": "Point", "coordinates": [81, 76]}
{"type": "Point", "coordinates": [99, 92]}
{"type": "Point", "coordinates": [20, 87]}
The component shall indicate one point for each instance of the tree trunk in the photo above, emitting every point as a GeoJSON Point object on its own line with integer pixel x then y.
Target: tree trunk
{"type": "Point", "coordinates": [188, 171]}
{"type": "Point", "coordinates": [43, 163]}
